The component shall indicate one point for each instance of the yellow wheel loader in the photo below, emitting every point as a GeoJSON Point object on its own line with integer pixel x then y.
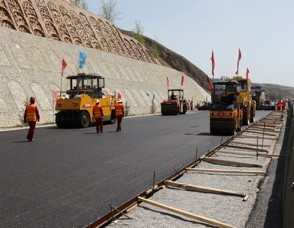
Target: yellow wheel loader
{"type": "Point", "coordinates": [75, 106]}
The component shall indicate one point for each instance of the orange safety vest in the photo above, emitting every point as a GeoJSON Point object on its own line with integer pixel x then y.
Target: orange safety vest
{"type": "Point", "coordinates": [119, 110]}
{"type": "Point", "coordinates": [31, 113]}
{"type": "Point", "coordinates": [279, 104]}
{"type": "Point", "coordinates": [98, 113]}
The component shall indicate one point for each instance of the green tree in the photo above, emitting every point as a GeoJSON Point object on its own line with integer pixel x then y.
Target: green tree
{"type": "Point", "coordinates": [82, 3]}
{"type": "Point", "coordinates": [108, 10]}
{"type": "Point", "coordinates": [154, 50]}
{"type": "Point", "coordinates": [138, 32]}
{"type": "Point", "coordinates": [275, 95]}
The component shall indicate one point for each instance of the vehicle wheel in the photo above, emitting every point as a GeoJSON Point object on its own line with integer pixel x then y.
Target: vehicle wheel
{"type": "Point", "coordinates": [68, 120]}
{"type": "Point", "coordinates": [84, 119]}
{"type": "Point", "coordinates": [213, 129]}
{"type": "Point", "coordinates": [252, 120]}
{"type": "Point", "coordinates": [74, 120]}
{"type": "Point", "coordinates": [232, 128]}
{"type": "Point", "coordinates": [60, 120]}
{"type": "Point", "coordinates": [245, 117]}
{"type": "Point", "coordinates": [252, 117]}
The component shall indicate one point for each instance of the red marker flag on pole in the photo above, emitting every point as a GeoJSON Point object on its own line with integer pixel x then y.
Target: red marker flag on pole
{"type": "Point", "coordinates": [167, 81]}
{"type": "Point", "coordinates": [209, 84]}
{"type": "Point", "coordinates": [182, 80]}
{"type": "Point", "coordinates": [239, 58]}
{"type": "Point", "coordinates": [54, 96]}
{"type": "Point", "coordinates": [119, 95]}
{"type": "Point", "coordinates": [212, 63]}
{"type": "Point", "coordinates": [64, 64]}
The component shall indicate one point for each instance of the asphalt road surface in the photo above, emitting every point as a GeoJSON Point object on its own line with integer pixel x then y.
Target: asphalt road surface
{"type": "Point", "coordinates": [69, 177]}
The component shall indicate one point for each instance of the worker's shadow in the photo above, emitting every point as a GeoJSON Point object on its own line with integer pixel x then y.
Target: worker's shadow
{"type": "Point", "coordinates": [23, 141]}
{"type": "Point", "coordinates": [94, 133]}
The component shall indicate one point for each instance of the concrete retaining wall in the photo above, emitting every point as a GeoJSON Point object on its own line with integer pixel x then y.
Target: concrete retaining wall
{"type": "Point", "coordinates": [31, 65]}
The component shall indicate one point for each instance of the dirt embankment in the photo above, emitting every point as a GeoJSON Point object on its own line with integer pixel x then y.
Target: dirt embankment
{"type": "Point", "coordinates": [171, 59]}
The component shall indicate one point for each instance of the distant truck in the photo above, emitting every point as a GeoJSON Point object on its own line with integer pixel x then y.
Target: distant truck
{"type": "Point", "coordinates": [75, 106]}
{"type": "Point", "coordinates": [258, 94]}
{"type": "Point", "coordinates": [175, 104]}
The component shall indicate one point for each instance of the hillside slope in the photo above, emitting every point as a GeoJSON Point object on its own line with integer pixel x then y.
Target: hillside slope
{"type": "Point", "coordinates": [171, 59]}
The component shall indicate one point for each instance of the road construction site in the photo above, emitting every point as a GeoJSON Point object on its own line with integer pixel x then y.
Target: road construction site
{"type": "Point", "coordinates": [218, 189]}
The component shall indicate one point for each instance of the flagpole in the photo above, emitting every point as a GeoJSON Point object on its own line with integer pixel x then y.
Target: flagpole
{"type": "Point", "coordinates": [61, 83]}
{"type": "Point", "coordinates": [239, 58]}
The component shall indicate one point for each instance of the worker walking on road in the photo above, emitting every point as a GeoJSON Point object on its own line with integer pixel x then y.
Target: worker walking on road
{"type": "Point", "coordinates": [98, 114]}
{"type": "Point", "coordinates": [31, 116]}
{"type": "Point", "coordinates": [119, 114]}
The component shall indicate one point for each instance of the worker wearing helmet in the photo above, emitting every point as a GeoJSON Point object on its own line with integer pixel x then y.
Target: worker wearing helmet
{"type": "Point", "coordinates": [98, 114]}
{"type": "Point", "coordinates": [31, 116]}
{"type": "Point", "coordinates": [119, 114]}
{"type": "Point", "coordinates": [279, 105]}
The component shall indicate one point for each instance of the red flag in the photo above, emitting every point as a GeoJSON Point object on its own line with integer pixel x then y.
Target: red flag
{"type": "Point", "coordinates": [64, 64]}
{"type": "Point", "coordinates": [167, 81]}
{"type": "Point", "coordinates": [119, 95]}
{"type": "Point", "coordinates": [247, 75]}
{"type": "Point", "coordinates": [239, 58]}
{"type": "Point", "coordinates": [212, 63]}
{"type": "Point", "coordinates": [208, 83]}
{"type": "Point", "coordinates": [54, 96]}
{"type": "Point", "coordinates": [182, 80]}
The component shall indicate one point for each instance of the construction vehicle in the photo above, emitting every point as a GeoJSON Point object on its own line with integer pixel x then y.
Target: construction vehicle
{"type": "Point", "coordinates": [258, 94]}
{"type": "Point", "coordinates": [204, 106]}
{"type": "Point", "coordinates": [225, 114]}
{"type": "Point", "coordinates": [175, 104]}
{"type": "Point", "coordinates": [75, 106]}
{"type": "Point", "coordinates": [245, 100]}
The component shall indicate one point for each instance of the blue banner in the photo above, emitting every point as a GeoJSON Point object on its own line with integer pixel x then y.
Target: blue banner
{"type": "Point", "coordinates": [82, 59]}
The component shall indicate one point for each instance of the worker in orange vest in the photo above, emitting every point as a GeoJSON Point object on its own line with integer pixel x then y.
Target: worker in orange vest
{"type": "Point", "coordinates": [283, 105]}
{"type": "Point", "coordinates": [31, 116]}
{"type": "Point", "coordinates": [119, 114]}
{"type": "Point", "coordinates": [98, 114]}
{"type": "Point", "coordinates": [279, 104]}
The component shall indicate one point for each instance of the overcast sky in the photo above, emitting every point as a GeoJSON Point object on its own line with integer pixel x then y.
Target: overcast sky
{"type": "Point", "coordinates": [262, 29]}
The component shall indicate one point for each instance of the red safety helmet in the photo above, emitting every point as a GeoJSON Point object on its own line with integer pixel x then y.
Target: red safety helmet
{"type": "Point", "coordinates": [32, 98]}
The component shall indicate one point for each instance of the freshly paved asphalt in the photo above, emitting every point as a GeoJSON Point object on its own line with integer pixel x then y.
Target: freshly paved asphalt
{"type": "Point", "coordinates": [69, 177]}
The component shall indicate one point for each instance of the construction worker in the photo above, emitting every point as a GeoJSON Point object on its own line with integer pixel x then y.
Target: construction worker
{"type": "Point", "coordinates": [31, 116]}
{"type": "Point", "coordinates": [119, 114]}
{"type": "Point", "coordinates": [173, 96]}
{"type": "Point", "coordinates": [191, 105]}
{"type": "Point", "coordinates": [279, 105]}
{"type": "Point", "coordinates": [283, 105]}
{"type": "Point", "coordinates": [98, 114]}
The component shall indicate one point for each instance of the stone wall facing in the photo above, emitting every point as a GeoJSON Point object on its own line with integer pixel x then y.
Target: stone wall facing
{"type": "Point", "coordinates": [66, 22]}
{"type": "Point", "coordinates": [31, 65]}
